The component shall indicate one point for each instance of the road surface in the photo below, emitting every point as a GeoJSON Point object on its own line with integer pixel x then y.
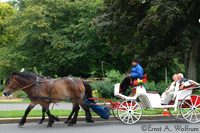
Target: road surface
{"type": "Point", "coordinates": [143, 126]}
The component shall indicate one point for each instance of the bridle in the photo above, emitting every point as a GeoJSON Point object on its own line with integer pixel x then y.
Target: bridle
{"type": "Point", "coordinates": [19, 85]}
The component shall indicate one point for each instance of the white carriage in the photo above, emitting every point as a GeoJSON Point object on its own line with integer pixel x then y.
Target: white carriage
{"type": "Point", "coordinates": [185, 106]}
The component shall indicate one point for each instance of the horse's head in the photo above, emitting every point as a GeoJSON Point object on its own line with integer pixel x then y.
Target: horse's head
{"type": "Point", "coordinates": [18, 81]}
{"type": "Point", "coordinates": [10, 85]}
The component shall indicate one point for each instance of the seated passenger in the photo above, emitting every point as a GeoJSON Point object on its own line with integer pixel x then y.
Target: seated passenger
{"type": "Point", "coordinates": [187, 83]}
{"type": "Point", "coordinates": [180, 84]}
{"type": "Point", "coordinates": [170, 91]}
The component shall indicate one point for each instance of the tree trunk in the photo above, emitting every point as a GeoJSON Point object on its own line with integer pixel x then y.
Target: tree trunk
{"type": "Point", "coordinates": [191, 60]}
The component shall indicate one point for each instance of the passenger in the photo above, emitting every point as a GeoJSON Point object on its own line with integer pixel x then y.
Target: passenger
{"type": "Point", "coordinates": [186, 82]}
{"type": "Point", "coordinates": [180, 84]}
{"type": "Point", "coordinates": [171, 96]}
{"type": "Point", "coordinates": [170, 90]}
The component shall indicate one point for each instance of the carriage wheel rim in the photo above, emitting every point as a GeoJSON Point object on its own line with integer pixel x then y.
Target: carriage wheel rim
{"type": "Point", "coordinates": [175, 115]}
{"type": "Point", "coordinates": [114, 110]}
{"type": "Point", "coordinates": [129, 114]}
{"type": "Point", "coordinates": [191, 112]}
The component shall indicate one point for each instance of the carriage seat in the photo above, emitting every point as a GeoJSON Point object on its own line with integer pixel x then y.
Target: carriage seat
{"type": "Point", "coordinates": [184, 88]}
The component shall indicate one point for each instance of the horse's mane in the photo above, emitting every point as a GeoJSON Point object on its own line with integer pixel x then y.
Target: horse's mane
{"type": "Point", "coordinates": [27, 75]}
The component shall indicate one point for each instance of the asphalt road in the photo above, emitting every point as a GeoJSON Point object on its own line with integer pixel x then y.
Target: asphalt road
{"type": "Point", "coordinates": [143, 126]}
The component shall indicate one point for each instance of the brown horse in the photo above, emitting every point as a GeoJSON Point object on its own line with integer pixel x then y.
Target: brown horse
{"type": "Point", "coordinates": [45, 91]}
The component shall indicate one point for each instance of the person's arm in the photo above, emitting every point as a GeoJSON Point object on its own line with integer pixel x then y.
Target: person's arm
{"type": "Point", "coordinates": [171, 88]}
{"type": "Point", "coordinates": [138, 73]}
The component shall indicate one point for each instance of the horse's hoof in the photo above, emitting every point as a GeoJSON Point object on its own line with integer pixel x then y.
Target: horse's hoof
{"type": "Point", "coordinates": [49, 125]}
{"type": "Point", "coordinates": [40, 122]}
{"type": "Point", "coordinates": [71, 123]}
{"type": "Point", "coordinates": [66, 122]}
{"type": "Point", "coordinates": [89, 121]}
{"type": "Point", "coordinates": [21, 125]}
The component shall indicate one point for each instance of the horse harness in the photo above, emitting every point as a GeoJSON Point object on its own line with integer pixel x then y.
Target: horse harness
{"type": "Point", "coordinates": [74, 83]}
{"type": "Point", "coordinates": [50, 89]}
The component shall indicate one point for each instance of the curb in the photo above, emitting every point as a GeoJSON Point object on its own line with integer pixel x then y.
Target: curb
{"type": "Point", "coordinates": [81, 118]}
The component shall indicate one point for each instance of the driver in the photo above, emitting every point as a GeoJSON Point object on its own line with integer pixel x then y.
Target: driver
{"type": "Point", "coordinates": [137, 72]}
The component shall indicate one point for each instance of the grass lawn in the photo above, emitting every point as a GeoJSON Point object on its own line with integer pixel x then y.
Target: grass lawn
{"type": "Point", "coordinates": [38, 113]}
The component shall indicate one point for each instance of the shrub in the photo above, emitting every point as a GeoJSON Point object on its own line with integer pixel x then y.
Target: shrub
{"type": "Point", "coordinates": [104, 88]}
{"type": "Point", "coordinates": [1, 88]}
{"type": "Point", "coordinates": [159, 87]}
{"type": "Point", "coordinates": [114, 76]}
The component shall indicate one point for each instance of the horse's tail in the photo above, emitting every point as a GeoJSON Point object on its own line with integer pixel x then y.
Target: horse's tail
{"type": "Point", "coordinates": [88, 91]}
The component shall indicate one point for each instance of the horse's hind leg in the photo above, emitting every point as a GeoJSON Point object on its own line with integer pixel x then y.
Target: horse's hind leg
{"type": "Point", "coordinates": [87, 113]}
{"type": "Point", "coordinates": [23, 120]}
{"type": "Point", "coordinates": [76, 110]}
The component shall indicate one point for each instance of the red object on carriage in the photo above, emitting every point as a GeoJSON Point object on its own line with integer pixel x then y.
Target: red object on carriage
{"type": "Point", "coordinates": [144, 79]}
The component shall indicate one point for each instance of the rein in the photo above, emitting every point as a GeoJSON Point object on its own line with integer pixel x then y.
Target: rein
{"type": "Point", "coordinates": [21, 87]}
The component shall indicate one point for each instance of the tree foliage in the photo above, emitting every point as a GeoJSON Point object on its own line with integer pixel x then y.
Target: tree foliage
{"type": "Point", "coordinates": [79, 37]}
{"type": "Point", "coordinates": [157, 31]}
{"type": "Point", "coordinates": [58, 38]}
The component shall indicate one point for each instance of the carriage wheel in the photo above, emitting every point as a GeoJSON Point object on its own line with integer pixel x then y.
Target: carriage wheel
{"type": "Point", "coordinates": [176, 114]}
{"type": "Point", "coordinates": [190, 108]}
{"type": "Point", "coordinates": [129, 112]}
{"type": "Point", "coordinates": [114, 109]}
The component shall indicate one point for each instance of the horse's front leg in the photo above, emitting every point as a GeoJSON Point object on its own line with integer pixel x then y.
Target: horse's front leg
{"type": "Point", "coordinates": [51, 120]}
{"type": "Point", "coordinates": [23, 120]}
{"type": "Point", "coordinates": [43, 116]}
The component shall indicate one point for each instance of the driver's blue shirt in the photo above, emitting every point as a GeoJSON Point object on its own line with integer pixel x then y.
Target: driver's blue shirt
{"type": "Point", "coordinates": [137, 71]}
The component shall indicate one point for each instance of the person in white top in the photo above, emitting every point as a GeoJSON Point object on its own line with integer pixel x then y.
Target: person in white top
{"type": "Point", "coordinates": [169, 93]}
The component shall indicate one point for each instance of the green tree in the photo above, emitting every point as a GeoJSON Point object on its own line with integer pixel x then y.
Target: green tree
{"type": "Point", "coordinates": [156, 31]}
{"type": "Point", "coordinates": [58, 38]}
{"type": "Point", "coordinates": [5, 11]}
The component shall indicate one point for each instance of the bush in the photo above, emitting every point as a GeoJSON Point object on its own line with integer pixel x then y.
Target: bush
{"type": "Point", "coordinates": [105, 89]}
{"type": "Point", "coordinates": [114, 76]}
{"type": "Point", "coordinates": [159, 87]}
{"type": "Point", "coordinates": [1, 88]}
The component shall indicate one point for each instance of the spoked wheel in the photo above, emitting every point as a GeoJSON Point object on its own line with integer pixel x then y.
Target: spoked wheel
{"type": "Point", "coordinates": [114, 109]}
{"type": "Point", "coordinates": [190, 108]}
{"type": "Point", "coordinates": [129, 112]}
{"type": "Point", "coordinates": [176, 114]}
